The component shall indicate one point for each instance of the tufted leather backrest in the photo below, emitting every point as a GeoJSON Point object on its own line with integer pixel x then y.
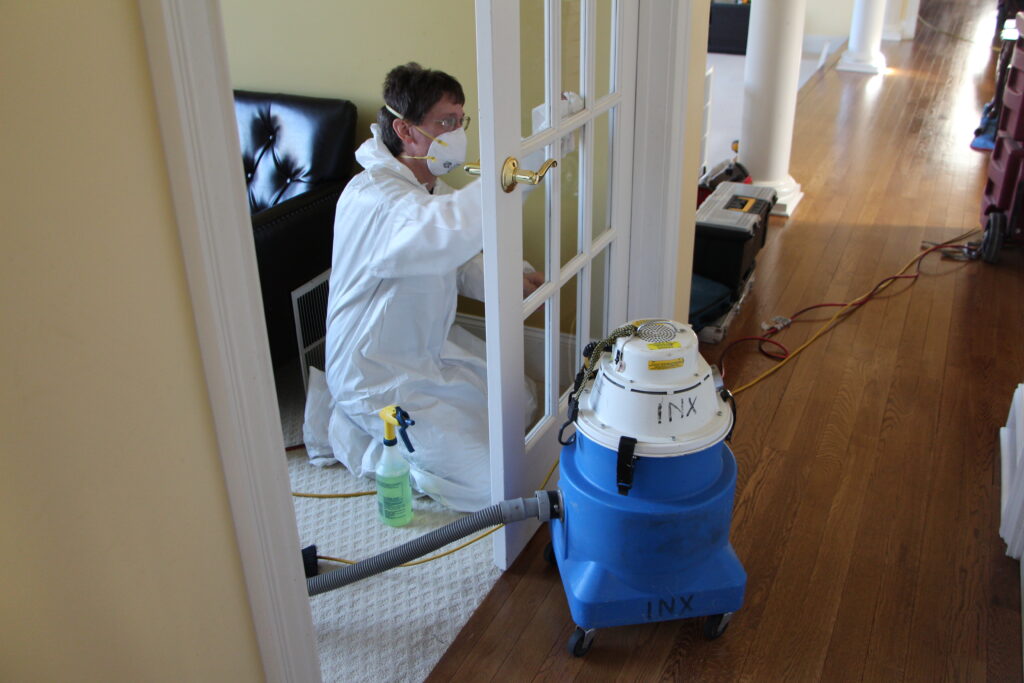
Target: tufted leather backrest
{"type": "Point", "coordinates": [292, 144]}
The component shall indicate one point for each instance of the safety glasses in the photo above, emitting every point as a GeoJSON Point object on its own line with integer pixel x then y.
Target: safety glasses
{"type": "Point", "coordinates": [453, 122]}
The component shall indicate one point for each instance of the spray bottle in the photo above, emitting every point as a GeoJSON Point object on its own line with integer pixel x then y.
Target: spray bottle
{"type": "Point", "coordinates": [394, 495]}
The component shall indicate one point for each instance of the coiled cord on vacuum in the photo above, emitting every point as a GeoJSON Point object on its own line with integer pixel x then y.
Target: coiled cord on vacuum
{"type": "Point", "coordinates": [545, 506]}
{"type": "Point", "coordinates": [591, 355]}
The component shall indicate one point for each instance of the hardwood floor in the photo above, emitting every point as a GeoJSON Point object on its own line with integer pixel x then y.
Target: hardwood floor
{"type": "Point", "coordinates": [867, 505]}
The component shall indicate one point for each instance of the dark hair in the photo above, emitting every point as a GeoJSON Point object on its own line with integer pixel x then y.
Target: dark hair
{"type": "Point", "coordinates": [412, 91]}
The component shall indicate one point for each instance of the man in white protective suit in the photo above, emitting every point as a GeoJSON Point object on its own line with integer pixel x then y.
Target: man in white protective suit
{"type": "Point", "coordinates": [405, 244]}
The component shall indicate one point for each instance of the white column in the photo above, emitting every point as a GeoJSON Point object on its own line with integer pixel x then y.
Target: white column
{"type": "Point", "coordinates": [864, 53]}
{"type": "Point", "coordinates": [892, 30]}
{"type": "Point", "coordinates": [771, 78]}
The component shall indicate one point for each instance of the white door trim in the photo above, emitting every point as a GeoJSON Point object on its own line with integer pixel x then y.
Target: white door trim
{"type": "Point", "coordinates": [188, 62]}
{"type": "Point", "coordinates": [660, 179]}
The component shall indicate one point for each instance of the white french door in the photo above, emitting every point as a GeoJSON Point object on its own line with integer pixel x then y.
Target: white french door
{"type": "Point", "coordinates": [556, 80]}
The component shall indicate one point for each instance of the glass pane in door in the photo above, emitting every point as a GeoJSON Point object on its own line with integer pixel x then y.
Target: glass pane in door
{"type": "Point", "coordinates": [599, 324]}
{"type": "Point", "coordinates": [602, 195]}
{"type": "Point", "coordinates": [604, 70]}
{"type": "Point", "coordinates": [572, 77]}
{"type": "Point", "coordinates": [536, 376]}
{"type": "Point", "coordinates": [568, 341]}
{"type": "Point", "coordinates": [570, 177]}
{"type": "Point", "coordinates": [531, 66]}
{"type": "Point", "coordinates": [536, 222]}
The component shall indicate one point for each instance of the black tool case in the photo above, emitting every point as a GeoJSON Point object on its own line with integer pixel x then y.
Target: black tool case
{"type": "Point", "coordinates": [732, 224]}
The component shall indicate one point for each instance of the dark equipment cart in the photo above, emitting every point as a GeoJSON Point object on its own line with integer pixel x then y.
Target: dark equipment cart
{"type": "Point", "coordinates": [1002, 204]}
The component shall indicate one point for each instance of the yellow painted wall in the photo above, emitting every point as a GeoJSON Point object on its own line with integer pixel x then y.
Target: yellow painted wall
{"type": "Point", "coordinates": [834, 18]}
{"type": "Point", "coordinates": [327, 48]}
{"type": "Point", "coordinates": [830, 18]}
{"type": "Point", "coordinates": [119, 559]}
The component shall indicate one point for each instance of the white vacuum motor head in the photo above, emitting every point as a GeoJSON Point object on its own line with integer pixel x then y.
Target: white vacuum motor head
{"type": "Point", "coordinates": [655, 387]}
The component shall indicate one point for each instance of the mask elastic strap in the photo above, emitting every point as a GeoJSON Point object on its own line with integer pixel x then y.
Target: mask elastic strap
{"type": "Point", "coordinates": [441, 142]}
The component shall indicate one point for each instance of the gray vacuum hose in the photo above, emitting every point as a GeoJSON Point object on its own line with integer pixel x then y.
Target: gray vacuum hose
{"type": "Point", "coordinates": [546, 505]}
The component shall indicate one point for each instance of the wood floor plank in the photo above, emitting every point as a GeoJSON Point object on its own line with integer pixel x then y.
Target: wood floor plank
{"type": "Point", "coordinates": [489, 656]}
{"type": "Point", "coordinates": [470, 636]}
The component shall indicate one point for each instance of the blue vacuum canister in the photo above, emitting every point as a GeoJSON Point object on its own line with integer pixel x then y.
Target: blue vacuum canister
{"type": "Point", "coordinates": [648, 485]}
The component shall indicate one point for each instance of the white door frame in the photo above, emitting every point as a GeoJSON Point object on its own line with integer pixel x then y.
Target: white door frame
{"type": "Point", "coordinates": [192, 88]}
{"type": "Point", "coordinates": [665, 171]}
{"type": "Point", "coordinates": [189, 67]}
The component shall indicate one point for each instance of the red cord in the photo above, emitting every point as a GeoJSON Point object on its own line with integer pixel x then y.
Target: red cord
{"type": "Point", "coordinates": [761, 341]}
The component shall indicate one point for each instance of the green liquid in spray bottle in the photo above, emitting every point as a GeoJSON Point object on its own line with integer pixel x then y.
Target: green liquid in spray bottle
{"type": "Point", "coordinates": [394, 494]}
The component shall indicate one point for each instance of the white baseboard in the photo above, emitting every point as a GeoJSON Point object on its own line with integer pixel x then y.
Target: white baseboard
{"type": "Point", "coordinates": [818, 44]}
{"type": "Point", "coordinates": [892, 33]}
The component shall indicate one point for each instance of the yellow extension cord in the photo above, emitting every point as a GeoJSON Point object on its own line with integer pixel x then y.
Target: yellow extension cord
{"type": "Point", "coordinates": [334, 495]}
{"type": "Point", "coordinates": [843, 313]}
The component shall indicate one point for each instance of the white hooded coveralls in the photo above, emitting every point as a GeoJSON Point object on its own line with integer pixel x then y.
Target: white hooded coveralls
{"type": "Point", "coordinates": [400, 256]}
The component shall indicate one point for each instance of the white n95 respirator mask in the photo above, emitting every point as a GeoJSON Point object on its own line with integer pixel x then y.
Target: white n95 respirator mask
{"type": "Point", "coordinates": [446, 152]}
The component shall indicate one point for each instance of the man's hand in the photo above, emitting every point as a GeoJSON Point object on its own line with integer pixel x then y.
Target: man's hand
{"type": "Point", "coordinates": [531, 281]}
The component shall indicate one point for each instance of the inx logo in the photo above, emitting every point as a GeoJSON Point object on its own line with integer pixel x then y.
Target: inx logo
{"type": "Point", "coordinates": [685, 408]}
{"type": "Point", "coordinates": [669, 608]}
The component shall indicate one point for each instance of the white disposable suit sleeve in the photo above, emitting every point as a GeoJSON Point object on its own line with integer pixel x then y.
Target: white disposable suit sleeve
{"type": "Point", "coordinates": [431, 234]}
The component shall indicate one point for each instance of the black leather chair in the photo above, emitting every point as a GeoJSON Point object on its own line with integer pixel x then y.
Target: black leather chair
{"type": "Point", "coordinates": [727, 30]}
{"type": "Point", "coordinates": [298, 153]}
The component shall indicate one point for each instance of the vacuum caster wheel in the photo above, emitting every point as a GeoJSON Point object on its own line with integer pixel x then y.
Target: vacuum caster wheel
{"type": "Point", "coordinates": [995, 232]}
{"type": "Point", "coordinates": [549, 553]}
{"type": "Point", "coordinates": [580, 641]}
{"type": "Point", "coordinates": [715, 625]}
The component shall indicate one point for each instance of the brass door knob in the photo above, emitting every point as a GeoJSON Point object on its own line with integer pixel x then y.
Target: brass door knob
{"type": "Point", "coordinates": [512, 175]}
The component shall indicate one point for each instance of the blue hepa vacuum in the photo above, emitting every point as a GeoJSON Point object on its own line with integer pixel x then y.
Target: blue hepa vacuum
{"type": "Point", "coordinates": [640, 523]}
{"type": "Point", "coordinates": [647, 486]}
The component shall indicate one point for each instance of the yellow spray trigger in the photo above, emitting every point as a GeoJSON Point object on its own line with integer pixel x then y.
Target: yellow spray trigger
{"type": "Point", "coordinates": [393, 416]}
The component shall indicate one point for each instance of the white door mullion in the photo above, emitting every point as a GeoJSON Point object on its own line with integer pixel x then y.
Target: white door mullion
{"type": "Point", "coordinates": [554, 246]}
{"type": "Point", "coordinates": [585, 230]}
{"type": "Point", "coordinates": [553, 80]}
{"type": "Point", "coordinates": [588, 68]}
{"type": "Point", "coordinates": [552, 314]}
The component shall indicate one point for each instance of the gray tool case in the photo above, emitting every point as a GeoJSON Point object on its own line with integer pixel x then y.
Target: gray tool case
{"type": "Point", "coordinates": [732, 224]}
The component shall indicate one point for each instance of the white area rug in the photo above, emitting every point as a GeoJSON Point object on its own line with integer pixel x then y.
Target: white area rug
{"type": "Point", "coordinates": [394, 626]}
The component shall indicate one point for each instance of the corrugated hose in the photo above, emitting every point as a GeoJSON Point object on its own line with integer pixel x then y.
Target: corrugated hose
{"type": "Point", "coordinates": [544, 506]}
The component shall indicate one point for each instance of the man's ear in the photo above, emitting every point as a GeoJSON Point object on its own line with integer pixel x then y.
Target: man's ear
{"type": "Point", "coordinates": [403, 131]}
